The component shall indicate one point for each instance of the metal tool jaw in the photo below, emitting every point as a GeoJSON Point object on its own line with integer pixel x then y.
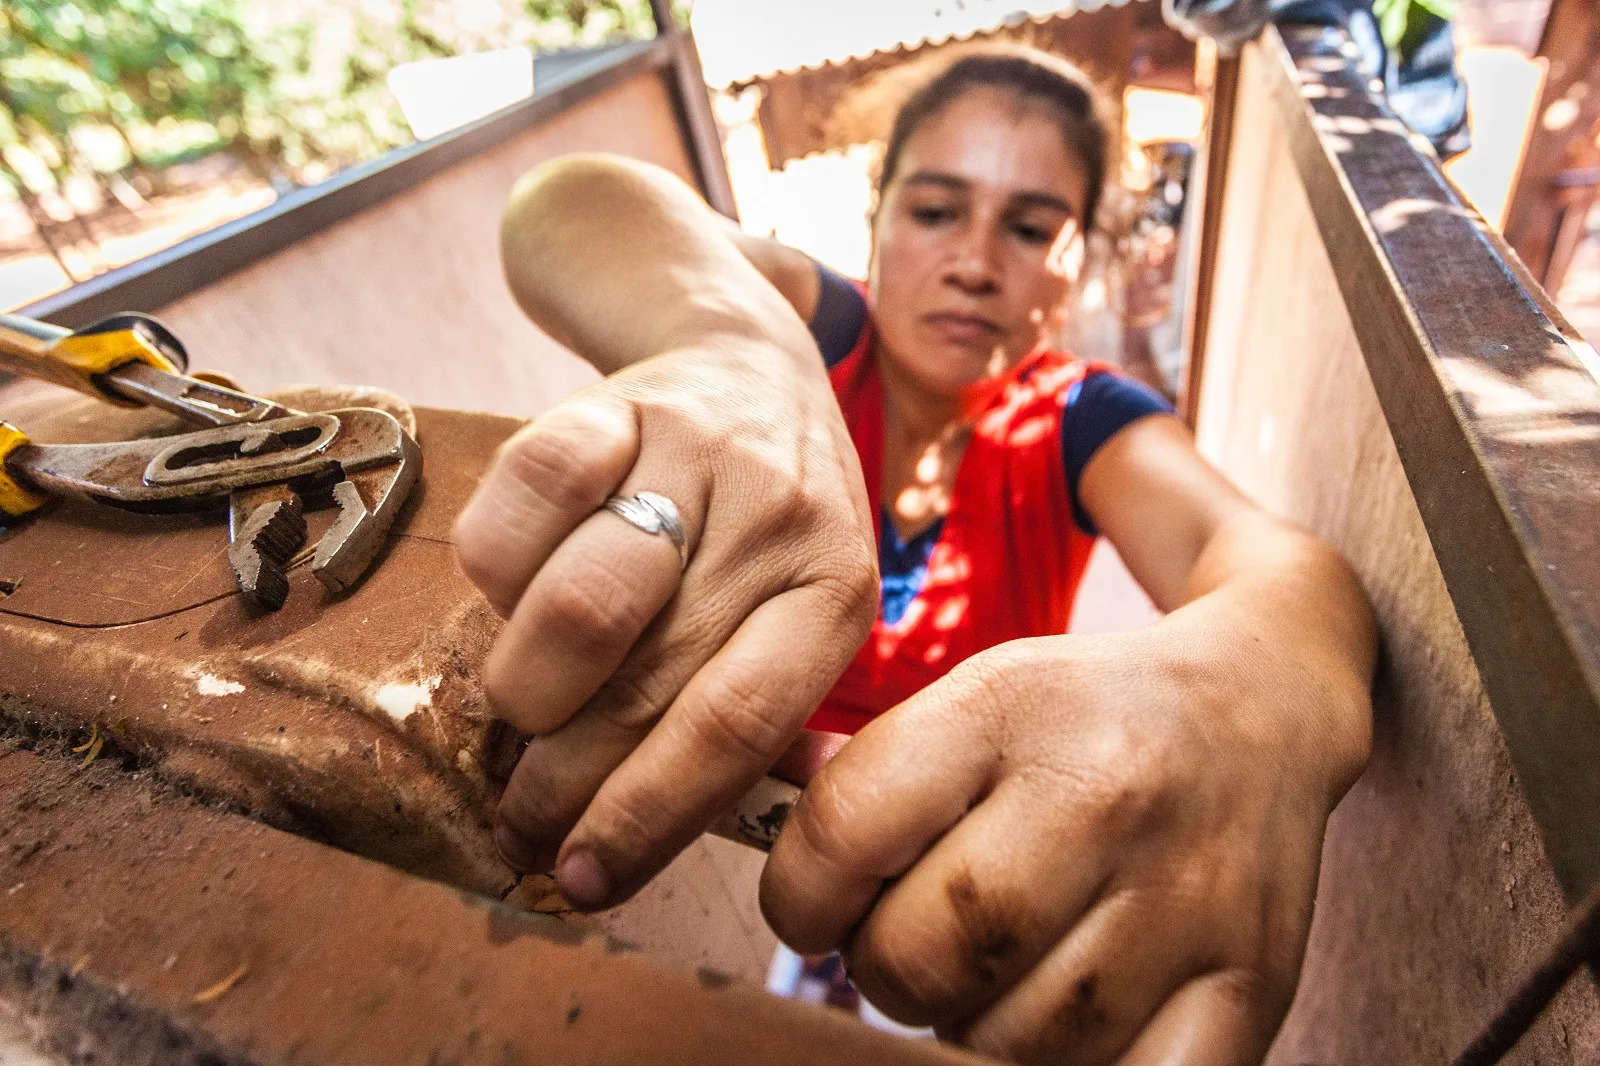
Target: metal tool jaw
{"type": "Point", "coordinates": [360, 460]}
{"type": "Point", "coordinates": [265, 462]}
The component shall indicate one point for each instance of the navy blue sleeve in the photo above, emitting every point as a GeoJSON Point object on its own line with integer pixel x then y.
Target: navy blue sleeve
{"type": "Point", "coordinates": [840, 316]}
{"type": "Point", "coordinates": [1096, 408]}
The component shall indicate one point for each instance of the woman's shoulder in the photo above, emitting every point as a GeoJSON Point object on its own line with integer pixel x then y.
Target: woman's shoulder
{"type": "Point", "coordinates": [841, 319]}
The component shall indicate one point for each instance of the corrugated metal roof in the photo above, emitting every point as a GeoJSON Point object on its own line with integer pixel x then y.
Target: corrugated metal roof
{"type": "Point", "coordinates": [741, 40]}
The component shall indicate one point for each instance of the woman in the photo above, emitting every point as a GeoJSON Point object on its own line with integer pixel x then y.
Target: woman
{"type": "Point", "coordinates": [1055, 848]}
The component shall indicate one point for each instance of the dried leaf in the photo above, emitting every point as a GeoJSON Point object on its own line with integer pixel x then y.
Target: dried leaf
{"type": "Point", "coordinates": [222, 987]}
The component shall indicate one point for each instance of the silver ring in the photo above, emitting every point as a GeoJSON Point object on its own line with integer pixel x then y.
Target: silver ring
{"type": "Point", "coordinates": [652, 513]}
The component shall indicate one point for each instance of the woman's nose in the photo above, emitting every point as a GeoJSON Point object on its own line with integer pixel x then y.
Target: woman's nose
{"type": "Point", "coordinates": [972, 267]}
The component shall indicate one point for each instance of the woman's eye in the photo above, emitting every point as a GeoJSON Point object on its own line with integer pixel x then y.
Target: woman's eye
{"type": "Point", "coordinates": [932, 216]}
{"type": "Point", "coordinates": [1031, 234]}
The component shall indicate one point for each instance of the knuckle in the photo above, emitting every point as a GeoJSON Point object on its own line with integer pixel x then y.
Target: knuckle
{"type": "Point", "coordinates": [912, 980]}
{"type": "Point", "coordinates": [978, 688]}
{"type": "Point", "coordinates": [851, 587]}
{"type": "Point", "coordinates": [630, 702]}
{"type": "Point", "coordinates": [553, 461]}
{"type": "Point", "coordinates": [1246, 990]}
{"type": "Point", "coordinates": [823, 824]}
{"type": "Point", "coordinates": [620, 831]}
{"type": "Point", "coordinates": [984, 924]}
{"type": "Point", "coordinates": [592, 607]}
{"type": "Point", "coordinates": [537, 810]}
{"type": "Point", "coordinates": [1124, 802]}
{"type": "Point", "coordinates": [734, 717]}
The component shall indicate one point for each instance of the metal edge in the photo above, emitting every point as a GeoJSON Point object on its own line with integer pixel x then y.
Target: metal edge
{"type": "Point", "coordinates": [159, 279]}
{"type": "Point", "coordinates": [1525, 628]}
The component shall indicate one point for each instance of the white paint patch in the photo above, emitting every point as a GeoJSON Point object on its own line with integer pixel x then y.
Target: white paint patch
{"type": "Point", "coordinates": [401, 701]}
{"type": "Point", "coordinates": [212, 685]}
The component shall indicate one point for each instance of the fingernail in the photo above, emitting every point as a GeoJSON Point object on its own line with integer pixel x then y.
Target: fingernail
{"type": "Point", "coordinates": [583, 880]}
{"type": "Point", "coordinates": [518, 853]}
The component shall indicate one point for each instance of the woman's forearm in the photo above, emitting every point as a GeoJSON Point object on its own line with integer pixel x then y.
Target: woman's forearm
{"type": "Point", "coordinates": [1266, 595]}
{"type": "Point", "coordinates": [1244, 590]}
{"type": "Point", "coordinates": [620, 261]}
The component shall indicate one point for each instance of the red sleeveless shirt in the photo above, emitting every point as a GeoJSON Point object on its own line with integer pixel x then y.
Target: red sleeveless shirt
{"type": "Point", "coordinates": [1009, 558]}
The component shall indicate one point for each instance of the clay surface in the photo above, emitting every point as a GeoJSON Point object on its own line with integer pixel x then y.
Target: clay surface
{"type": "Point", "coordinates": [357, 719]}
{"type": "Point", "coordinates": [137, 926]}
{"type": "Point", "coordinates": [1436, 892]}
{"type": "Point", "coordinates": [324, 718]}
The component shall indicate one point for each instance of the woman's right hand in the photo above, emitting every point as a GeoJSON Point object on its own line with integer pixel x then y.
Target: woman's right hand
{"type": "Point", "coordinates": [656, 698]}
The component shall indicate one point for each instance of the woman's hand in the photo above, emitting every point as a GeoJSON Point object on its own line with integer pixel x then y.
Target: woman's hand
{"type": "Point", "coordinates": [1086, 849]}
{"type": "Point", "coordinates": [656, 698]}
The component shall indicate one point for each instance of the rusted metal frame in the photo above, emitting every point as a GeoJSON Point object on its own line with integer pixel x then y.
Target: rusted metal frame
{"type": "Point", "coordinates": [137, 925]}
{"type": "Point", "coordinates": [692, 102]}
{"type": "Point", "coordinates": [1494, 407]}
{"type": "Point", "coordinates": [1571, 45]}
{"type": "Point", "coordinates": [1209, 185]}
{"type": "Point", "coordinates": [168, 275]}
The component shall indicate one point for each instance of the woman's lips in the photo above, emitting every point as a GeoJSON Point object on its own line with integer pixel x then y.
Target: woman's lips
{"type": "Point", "coordinates": [963, 329]}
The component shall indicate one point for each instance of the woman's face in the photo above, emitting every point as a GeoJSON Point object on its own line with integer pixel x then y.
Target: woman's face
{"type": "Point", "coordinates": [977, 239]}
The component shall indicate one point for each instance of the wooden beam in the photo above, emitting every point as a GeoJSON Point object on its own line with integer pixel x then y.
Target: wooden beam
{"type": "Point", "coordinates": [1564, 126]}
{"type": "Point", "coordinates": [1219, 76]}
{"type": "Point", "coordinates": [1493, 401]}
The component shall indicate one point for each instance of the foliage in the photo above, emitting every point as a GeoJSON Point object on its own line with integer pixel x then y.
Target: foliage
{"type": "Point", "coordinates": [1401, 20]}
{"type": "Point", "coordinates": [119, 89]}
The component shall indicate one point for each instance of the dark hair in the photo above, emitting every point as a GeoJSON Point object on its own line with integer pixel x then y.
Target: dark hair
{"type": "Point", "coordinates": [1032, 75]}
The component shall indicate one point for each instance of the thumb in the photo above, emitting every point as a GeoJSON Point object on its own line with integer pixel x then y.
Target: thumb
{"type": "Point", "coordinates": [808, 754]}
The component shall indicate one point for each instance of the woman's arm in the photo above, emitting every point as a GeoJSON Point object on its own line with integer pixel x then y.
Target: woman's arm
{"type": "Point", "coordinates": [1097, 849]}
{"type": "Point", "coordinates": [620, 261]}
{"type": "Point", "coordinates": [1191, 539]}
{"type": "Point", "coordinates": [658, 697]}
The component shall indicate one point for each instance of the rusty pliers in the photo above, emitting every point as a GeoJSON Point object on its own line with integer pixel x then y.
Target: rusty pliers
{"type": "Point", "coordinates": [261, 460]}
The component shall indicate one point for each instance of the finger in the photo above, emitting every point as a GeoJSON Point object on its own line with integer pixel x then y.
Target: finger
{"type": "Point", "coordinates": [1088, 998]}
{"type": "Point", "coordinates": [560, 772]}
{"type": "Point", "coordinates": [985, 904]}
{"type": "Point", "coordinates": [729, 725]}
{"type": "Point", "coordinates": [807, 756]}
{"type": "Point", "coordinates": [550, 476]}
{"type": "Point", "coordinates": [552, 783]}
{"type": "Point", "coordinates": [870, 813]}
{"type": "Point", "coordinates": [1225, 1018]}
{"type": "Point", "coordinates": [585, 609]}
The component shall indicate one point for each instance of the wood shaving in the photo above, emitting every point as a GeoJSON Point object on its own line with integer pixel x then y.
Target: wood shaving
{"type": "Point", "coordinates": [94, 751]}
{"type": "Point", "coordinates": [222, 987]}
{"type": "Point", "coordinates": [94, 734]}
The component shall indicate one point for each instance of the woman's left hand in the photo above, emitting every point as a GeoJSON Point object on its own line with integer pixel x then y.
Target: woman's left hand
{"type": "Point", "coordinates": [1085, 849]}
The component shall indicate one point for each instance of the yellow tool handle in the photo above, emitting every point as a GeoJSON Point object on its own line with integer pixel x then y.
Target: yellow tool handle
{"type": "Point", "coordinates": [40, 350]}
{"type": "Point", "coordinates": [16, 499]}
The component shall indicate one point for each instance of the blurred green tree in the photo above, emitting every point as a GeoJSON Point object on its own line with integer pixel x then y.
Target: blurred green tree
{"type": "Point", "coordinates": [171, 80]}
